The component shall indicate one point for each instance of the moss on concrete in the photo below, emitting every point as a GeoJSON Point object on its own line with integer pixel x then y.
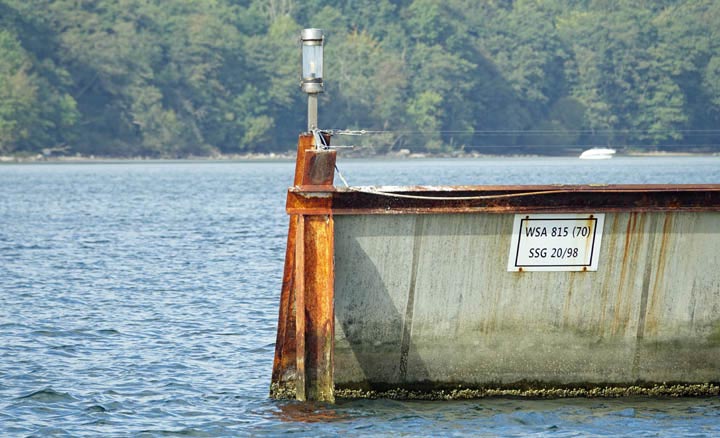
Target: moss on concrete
{"type": "Point", "coordinates": [282, 391]}
{"type": "Point", "coordinates": [286, 391]}
{"type": "Point", "coordinates": [714, 337]}
{"type": "Point", "coordinates": [661, 390]}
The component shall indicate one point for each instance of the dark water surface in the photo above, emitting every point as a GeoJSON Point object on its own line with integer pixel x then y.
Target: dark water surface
{"type": "Point", "coordinates": [140, 299]}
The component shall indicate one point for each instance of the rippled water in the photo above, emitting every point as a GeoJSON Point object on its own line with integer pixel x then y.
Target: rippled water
{"type": "Point", "coordinates": [140, 299]}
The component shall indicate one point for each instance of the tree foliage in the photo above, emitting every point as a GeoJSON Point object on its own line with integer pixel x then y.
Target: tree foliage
{"type": "Point", "coordinates": [183, 77]}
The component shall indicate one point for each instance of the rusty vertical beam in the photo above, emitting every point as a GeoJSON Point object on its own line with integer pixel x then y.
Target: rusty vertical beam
{"type": "Point", "coordinates": [314, 292]}
{"type": "Point", "coordinates": [318, 304]}
{"type": "Point", "coordinates": [300, 326]}
{"type": "Point", "coordinates": [285, 362]}
{"type": "Point", "coordinates": [303, 365]}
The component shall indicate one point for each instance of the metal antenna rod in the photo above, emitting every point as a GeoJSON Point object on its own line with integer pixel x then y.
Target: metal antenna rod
{"type": "Point", "coordinates": [312, 112]}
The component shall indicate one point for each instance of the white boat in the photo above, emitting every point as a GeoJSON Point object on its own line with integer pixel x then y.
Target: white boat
{"type": "Point", "coordinates": [598, 154]}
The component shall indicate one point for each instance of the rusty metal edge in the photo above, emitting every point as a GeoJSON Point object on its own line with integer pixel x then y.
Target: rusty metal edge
{"type": "Point", "coordinates": [518, 188]}
{"type": "Point", "coordinates": [302, 367]}
{"type": "Point", "coordinates": [285, 361]}
{"type": "Point", "coordinates": [502, 199]}
{"type": "Point", "coordinates": [300, 380]}
{"type": "Point", "coordinates": [318, 305]}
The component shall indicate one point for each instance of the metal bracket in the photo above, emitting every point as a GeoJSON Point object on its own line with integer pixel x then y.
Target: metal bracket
{"type": "Point", "coordinates": [320, 142]}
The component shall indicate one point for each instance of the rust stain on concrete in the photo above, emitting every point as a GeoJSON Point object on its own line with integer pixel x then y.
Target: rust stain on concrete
{"type": "Point", "coordinates": [655, 299]}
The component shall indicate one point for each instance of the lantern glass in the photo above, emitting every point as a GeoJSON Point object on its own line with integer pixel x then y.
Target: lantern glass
{"type": "Point", "coordinates": [312, 56]}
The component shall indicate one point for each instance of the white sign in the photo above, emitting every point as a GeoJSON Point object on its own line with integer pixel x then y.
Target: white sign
{"type": "Point", "coordinates": [556, 242]}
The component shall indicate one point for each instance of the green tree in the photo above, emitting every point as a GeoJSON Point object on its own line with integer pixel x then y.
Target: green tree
{"type": "Point", "coordinates": [180, 78]}
{"type": "Point", "coordinates": [33, 113]}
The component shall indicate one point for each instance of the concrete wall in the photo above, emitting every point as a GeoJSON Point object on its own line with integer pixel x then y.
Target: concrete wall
{"type": "Point", "coordinates": [427, 299]}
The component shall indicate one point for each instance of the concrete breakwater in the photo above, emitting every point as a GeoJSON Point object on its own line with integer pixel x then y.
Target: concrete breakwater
{"type": "Point", "coordinates": [427, 298]}
{"type": "Point", "coordinates": [497, 290]}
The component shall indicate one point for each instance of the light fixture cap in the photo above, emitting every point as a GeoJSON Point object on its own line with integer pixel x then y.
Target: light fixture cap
{"type": "Point", "coordinates": [312, 35]}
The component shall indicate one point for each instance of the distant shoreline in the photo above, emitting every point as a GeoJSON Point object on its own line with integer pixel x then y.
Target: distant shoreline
{"type": "Point", "coordinates": [290, 156]}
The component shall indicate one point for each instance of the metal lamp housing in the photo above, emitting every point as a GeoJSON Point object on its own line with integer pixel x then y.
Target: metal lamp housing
{"type": "Point", "coordinates": [312, 60]}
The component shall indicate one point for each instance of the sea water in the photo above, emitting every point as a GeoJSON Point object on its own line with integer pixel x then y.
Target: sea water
{"type": "Point", "coordinates": [140, 299]}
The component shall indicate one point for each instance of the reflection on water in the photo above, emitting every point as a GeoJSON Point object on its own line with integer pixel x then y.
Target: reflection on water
{"type": "Point", "coordinates": [140, 299]}
{"type": "Point", "coordinates": [309, 412]}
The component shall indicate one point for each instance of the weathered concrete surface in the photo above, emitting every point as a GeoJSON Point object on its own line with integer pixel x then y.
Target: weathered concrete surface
{"type": "Point", "coordinates": [426, 301]}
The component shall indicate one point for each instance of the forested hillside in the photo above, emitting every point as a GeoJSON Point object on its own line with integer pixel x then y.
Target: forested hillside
{"type": "Point", "coordinates": [172, 78]}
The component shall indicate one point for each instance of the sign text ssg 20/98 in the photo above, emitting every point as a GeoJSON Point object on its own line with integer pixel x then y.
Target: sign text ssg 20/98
{"type": "Point", "coordinates": [556, 242]}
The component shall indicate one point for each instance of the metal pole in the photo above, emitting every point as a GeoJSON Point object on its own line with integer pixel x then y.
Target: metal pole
{"type": "Point", "coordinates": [312, 111]}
